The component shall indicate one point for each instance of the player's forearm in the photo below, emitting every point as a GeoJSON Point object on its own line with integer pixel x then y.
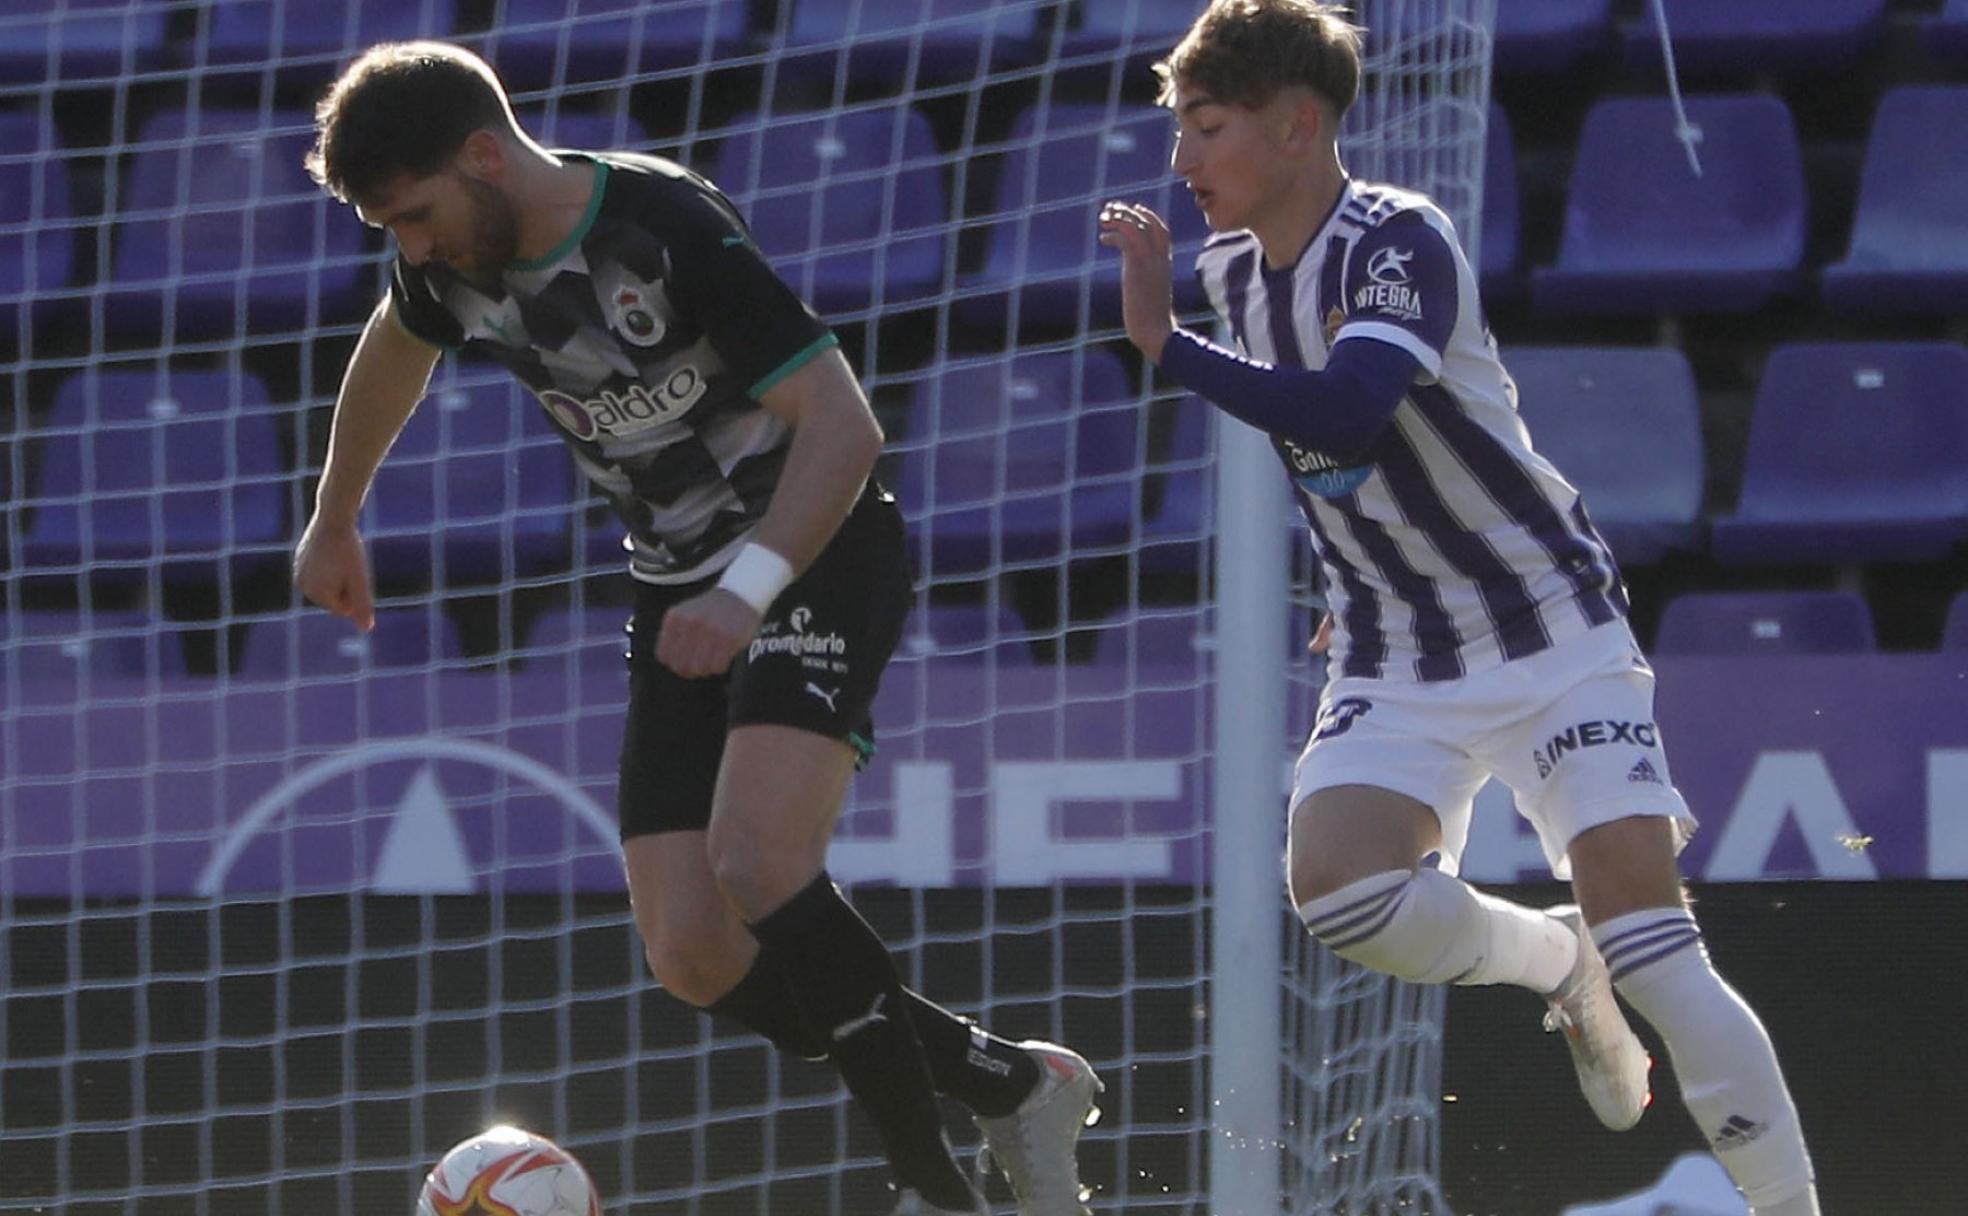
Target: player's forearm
{"type": "Point", "coordinates": [1338, 411]}
{"type": "Point", "coordinates": [836, 441]}
{"type": "Point", "coordinates": [385, 379]}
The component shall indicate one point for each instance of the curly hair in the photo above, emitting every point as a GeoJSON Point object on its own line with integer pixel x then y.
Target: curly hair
{"type": "Point", "coordinates": [1243, 51]}
{"type": "Point", "coordinates": [403, 107]}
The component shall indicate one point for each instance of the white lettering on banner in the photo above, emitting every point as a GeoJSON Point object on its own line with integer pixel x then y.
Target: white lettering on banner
{"type": "Point", "coordinates": [1947, 813]}
{"type": "Point", "coordinates": [922, 852]}
{"type": "Point", "coordinates": [1026, 851]}
{"type": "Point", "coordinates": [1782, 786]}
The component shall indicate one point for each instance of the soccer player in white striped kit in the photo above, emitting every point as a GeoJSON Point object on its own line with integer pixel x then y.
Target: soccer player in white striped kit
{"type": "Point", "coordinates": [1478, 623]}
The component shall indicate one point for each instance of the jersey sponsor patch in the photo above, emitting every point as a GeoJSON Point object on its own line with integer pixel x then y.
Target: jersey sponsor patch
{"type": "Point", "coordinates": [1595, 734]}
{"type": "Point", "coordinates": [1320, 475]}
{"type": "Point", "coordinates": [636, 408]}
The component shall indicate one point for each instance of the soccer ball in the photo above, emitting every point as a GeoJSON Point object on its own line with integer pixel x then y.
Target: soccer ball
{"type": "Point", "coordinates": [505, 1171]}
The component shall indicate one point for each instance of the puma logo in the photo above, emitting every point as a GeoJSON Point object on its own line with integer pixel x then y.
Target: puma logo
{"type": "Point", "coordinates": [824, 695]}
{"type": "Point", "coordinates": [857, 1025]}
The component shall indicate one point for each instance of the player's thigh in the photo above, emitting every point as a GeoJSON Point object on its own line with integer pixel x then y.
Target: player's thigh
{"type": "Point", "coordinates": [778, 798]}
{"type": "Point", "coordinates": [696, 943]}
{"type": "Point", "coordinates": [673, 735]}
{"type": "Point", "coordinates": [1377, 788]}
{"type": "Point", "coordinates": [1592, 756]}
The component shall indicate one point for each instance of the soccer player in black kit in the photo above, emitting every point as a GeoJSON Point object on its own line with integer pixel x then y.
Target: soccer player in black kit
{"type": "Point", "coordinates": [718, 415]}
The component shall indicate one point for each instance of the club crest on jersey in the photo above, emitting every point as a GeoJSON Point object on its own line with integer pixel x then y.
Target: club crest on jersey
{"type": "Point", "coordinates": [1319, 474]}
{"type": "Point", "coordinates": [635, 320]}
{"type": "Point", "coordinates": [1387, 290]}
{"type": "Point", "coordinates": [635, 409]}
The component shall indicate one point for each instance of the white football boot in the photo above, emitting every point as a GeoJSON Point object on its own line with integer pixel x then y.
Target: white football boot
{"type": "Point", "coordinates": [1612, 1065]}
{"type": "Point", "coordinates": [1035, 1145]}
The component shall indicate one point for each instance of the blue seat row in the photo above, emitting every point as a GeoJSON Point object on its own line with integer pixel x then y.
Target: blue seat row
{"type": "Point", "coordinates": [536, 42]}
{"type": "Point", "coordinates": [221, 232]}
{"type": "Point", "coordinates": [1857, 452]}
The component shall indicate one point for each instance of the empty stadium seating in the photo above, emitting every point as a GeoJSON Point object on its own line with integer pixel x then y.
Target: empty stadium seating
{"type": "Point", "coordinates": [1065, 161]}
{"type": "Point", "coordinates": [850, 207]}
{"type": "Point", "coordinates": [1550, 36]}
{"type": "Point", "coordinates": [533, 44]}
{"type": "Point", "coordinates": [1857, 452]}
{"type": "Point", "coordinates": [310, 42]}
{"type": "Point", "coordinates": [476, 489]}
{"type": "Point", "coordinates": [592, 639]}
{"type": "Point", "coordinates": [73, 41]}
{"type": "Point", "coordinates": [1624, 426]}
{"type": "Point", "coordinates": [1946, 32]}
{"type": "Point", "coordinates": [1909, 250]}
{"type": "Point", "coordinates": [37, 233]}
{"type": "Point", "coordinates": [317, 643]}
{"type": "Point", "coordinates": [909, 41]}
{"type": "Point", "coordinates": [1497, 255]}
{"type": "Point", "coordinates": [1644, 235]}
{"type": "Point", "coordinates": [223, 232]}
{"type": "Point", "coordinates": [180, 471]}
{"type": "Point", "coordinates": [993, 444]}
{"type": "Point", "coordinates": [1954, 633]}
{"type": "Point", "coordinates": [1760, 36]}
{"type": "Point", "coordinates": [1775, 622]}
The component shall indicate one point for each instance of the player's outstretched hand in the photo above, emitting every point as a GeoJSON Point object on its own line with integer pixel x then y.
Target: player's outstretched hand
{"type": "Point", "coordinates": [704, 633]}
{"type": "Point", "coordinates": [331, 569]}
{"type": "Point", "coordinates": [1147, 272]}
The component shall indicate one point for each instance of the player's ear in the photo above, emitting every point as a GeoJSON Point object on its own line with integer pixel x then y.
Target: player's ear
{"type": "Point", "coordinates": [1311, 123]}
{"type": "Point", "coordinates": [483, 155]}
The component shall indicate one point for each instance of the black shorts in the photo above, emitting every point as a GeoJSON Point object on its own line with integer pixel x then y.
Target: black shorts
{"type": "Point", "coordinates": [814, 665]}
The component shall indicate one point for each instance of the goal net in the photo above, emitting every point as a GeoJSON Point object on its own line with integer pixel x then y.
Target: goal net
{"type": "Point", "coordinates": [286, 910]}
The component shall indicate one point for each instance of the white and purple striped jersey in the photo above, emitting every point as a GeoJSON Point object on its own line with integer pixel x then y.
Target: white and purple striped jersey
{"type": "Point", "coordinates": [1452, 547]}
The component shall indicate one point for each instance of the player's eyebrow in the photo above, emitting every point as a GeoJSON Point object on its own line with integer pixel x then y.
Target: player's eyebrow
{"type": "Point", "coordinates": [1196, 103]}
{"type": "Point", "coordinates": [418, 212]}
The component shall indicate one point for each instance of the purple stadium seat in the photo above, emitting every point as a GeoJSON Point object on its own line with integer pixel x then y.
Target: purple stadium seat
{"type": "Point", "coordinates": [313, 643]}
{"type": "Point", "coordinates": [1154, 637]}
{"type": "Point", "coordinates": [533, 43]}
{"type": "Point", "coordinates": [1946, 33]}
{"type": "Point", "coordinates": [592, 638]}
{"type": "Point", "coordinates": [1066, 160]}
{"type": "Point", "coordinates": [968, 633]}
{"type": "Point", "coordinates": [1624, 426]}
{"type": "Point", "coordinates": [1909, 250]}
{"type": "Point", "coordinates": [1134, 32]}
{"type": "Point", "coordinates": [37, 233]}
{"type": "Point", "coordinates": [138, 470]}
{"type": "Point", "coordinates": [1030, 459]}
{"type": "Point", "coordinates": [1954, 636]}
{"type": "Point", "coordinates": [58, 650]}
{"type": "Point", "coordinates": [1497, 259]}
{"type": "Point", "coordinates": [1857, 452]}
{"type": "Point", "coordinates": [1177, 496]}
{"type": "Point", "coordinates": [1773, 622]}
{"type": "Point", "coordinates": [1549, 36]}
{"type": "Point", "coordinates": [1644, 235]}
{"type": "Point", "coordinates": [585, 132]}
{"type": "Point", "coordinates": [222, 231]}
{"type": "Point", "coordinates": [477, 489]}
{"type": "Point", "coordinates": [869, 179]}
{"type": "Point", "coordinates": [1759, 35]}
{"type": "Point", "coordinates": [71, 41]}
{"type": "Point", "coordinates": [909, 42]}
{"type": "Point", "coordinates": [314, 40]}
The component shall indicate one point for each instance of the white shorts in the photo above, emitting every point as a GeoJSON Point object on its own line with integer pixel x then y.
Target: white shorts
{"type": "Point", "coordinates": [1570, 730]}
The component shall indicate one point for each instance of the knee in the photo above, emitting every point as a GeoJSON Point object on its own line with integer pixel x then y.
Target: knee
{"type": "Point", "coordinates": [755, 873]}
{"type": "Point", "coordinates": [1316, 875]}
{"type": "Point", "coordinates": [693, 961]}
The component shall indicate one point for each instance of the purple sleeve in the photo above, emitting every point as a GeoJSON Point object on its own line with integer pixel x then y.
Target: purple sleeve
{"type": "Point", "coordinates": [1401, 287]}
{"type": "Point", "coordinates": [1338, 411]}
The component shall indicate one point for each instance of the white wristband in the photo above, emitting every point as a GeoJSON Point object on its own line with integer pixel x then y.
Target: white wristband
{"type": "Point", "coordinates": [757, 576]}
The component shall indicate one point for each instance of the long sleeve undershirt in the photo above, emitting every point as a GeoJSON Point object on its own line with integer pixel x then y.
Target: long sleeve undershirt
{"type": "Point", "coordinates": [1337, 412]}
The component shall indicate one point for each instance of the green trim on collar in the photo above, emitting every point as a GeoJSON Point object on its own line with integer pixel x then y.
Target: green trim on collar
{"type": "Point", "coordinates": [573, 238]}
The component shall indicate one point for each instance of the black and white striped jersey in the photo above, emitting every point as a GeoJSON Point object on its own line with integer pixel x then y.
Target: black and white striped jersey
{"type": "Point", "coordinates": [647, 336]}
{"type": "Point", "coordinates": [1452, 546]}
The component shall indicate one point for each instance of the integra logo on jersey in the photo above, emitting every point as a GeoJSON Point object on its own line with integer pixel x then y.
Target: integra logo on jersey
{"type": "Point", "coordinates": [1387, 290]}
{"type": "Point", "coordinates": [626, 413]}
{"type": "Point", "coordinates": [1593, 734]}
{"type": "Point", "coordinates": [1319, 474]}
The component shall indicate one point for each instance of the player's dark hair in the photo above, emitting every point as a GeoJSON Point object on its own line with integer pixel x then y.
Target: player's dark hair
{"type": "Point", "coordinates": [403, 107]}
{"type": "Point", "coordinates": [1242, 52]}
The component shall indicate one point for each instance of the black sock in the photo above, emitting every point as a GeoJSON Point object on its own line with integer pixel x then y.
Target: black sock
{"type": "Point", "coordinates": [844, 981]}
{"type": "Point", "coordinates": [988, 1074]}
{"type": "Point", "coordinates": [763, 1002]}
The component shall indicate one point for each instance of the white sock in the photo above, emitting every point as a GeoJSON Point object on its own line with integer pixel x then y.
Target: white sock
{"type": "Point", "coordinates": [1426, 927]}
{"type": "Point", "coordinates": [1721, 1054]}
